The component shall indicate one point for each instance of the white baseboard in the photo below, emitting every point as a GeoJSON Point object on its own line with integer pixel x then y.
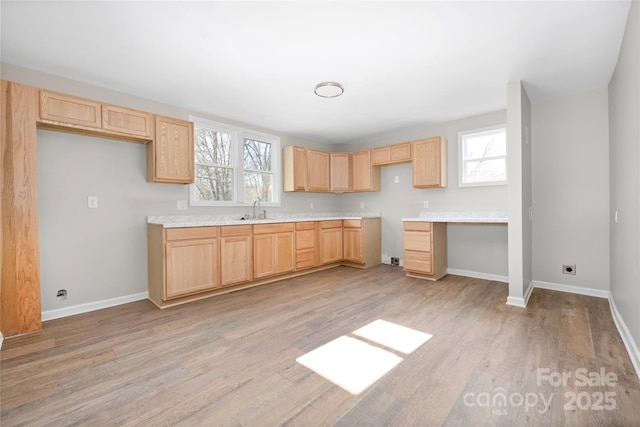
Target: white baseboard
{"type": "Point", "coordinates": [528, 292]}
{"type": "Point", "coordinates": [516, 302]}
{"type": "Point", "coordinates": [629, 343]}
{"type": "Point", "coordinates": [571, 289]}
{"type": "Point", "coordinates": [1, 339]}
{"type": "Point", "coordinates": [478, 275]}
{"type": "Point", "coordinates": [91, 306]}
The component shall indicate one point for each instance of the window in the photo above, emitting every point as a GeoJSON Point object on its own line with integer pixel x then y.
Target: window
{"type": "Point", "coordinates": [482, 157]}
{"type": "Point", "coordinates": [234, 166]}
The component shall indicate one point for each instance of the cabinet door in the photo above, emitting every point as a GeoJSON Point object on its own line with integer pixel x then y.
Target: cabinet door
{"type": "Point", "coordinates": [61, 108]}
{"type": "Point", "coordinates": [366, 177]}
{"type": "Point", "coordinates": [400, 152]}
{"type": "Point", "coordinates": [284, 250]}
{"type": "Point", "coordinates": [272, 254]}
{"type": "Point", "coordinates": [125, 120]}
{"type": "Point", "coordinates": [263, 255]}
{"type": "Point", "coordinates": [381, 155]}
{"type": "Point", "coordinates": [235, 259]}
{"type": "Point", "coordinates": [430, 163]}
{"type": "Point", "coordinates": [340, 172]}
{"type": "Point", "coordinates": [191, 267]}
{"type": "Point", "coordinates": [170, 154]}
{"type": "Point", "coordinates": [331, 245]}
{"type": "Point", "coordinates": [294, 168]}
{"type": "Point", "coordinates": [318, 171]}
{"type": "Point", "coordinates": [353, 244]}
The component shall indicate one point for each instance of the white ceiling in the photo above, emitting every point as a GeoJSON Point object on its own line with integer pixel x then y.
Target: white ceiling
{"type": "Point", "coordinates": [402, 64]}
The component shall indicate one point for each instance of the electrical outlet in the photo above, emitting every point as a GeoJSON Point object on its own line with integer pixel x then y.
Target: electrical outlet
{"type": "Point", "coordinates": [426, 204]}
{"type": "Point", "coordinates": [569, 269]}
{"type": "Point", "coordinates": [92, 202]}
{"type": "Point", "coordinates": [182, 205]}
{"type": "Point", "coordinates": [311, 205]}
{"type": "Point", "coordinates": [396, 179]}
{"type": "Point", "coordinates": [361, 205]}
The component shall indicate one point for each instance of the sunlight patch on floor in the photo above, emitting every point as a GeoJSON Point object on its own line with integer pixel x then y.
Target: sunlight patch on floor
{"type": "Point", "coordinates": [350, 363]}
{"type": "Point", "coordinates": [397, 337]}
{"type": "Point", "coordinates": [354, 364]}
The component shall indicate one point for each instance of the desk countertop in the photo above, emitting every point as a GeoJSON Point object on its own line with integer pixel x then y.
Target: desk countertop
{"type": "Point", "coordinates": [490, 217]}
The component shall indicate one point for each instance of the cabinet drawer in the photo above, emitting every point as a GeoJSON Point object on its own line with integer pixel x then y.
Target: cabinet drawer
{"type": "Point", "coordinates": [417, 241]}
{"type": "Point", "coordinates": [352, 223]}
{"type": "Point", "coordinates": [305, 239]}
{"type": "Point", "coordinates": [305, 258]}
{"type": "Point", "coordinates": [417, 226]}
{"type": "Point", "coordinates": [418, 261]}
{"type": "Point", "coordinates": [273, 228]}
{"type": "Point", "coordinates": [235, 230]}
{"type": "Point", "coordinates": [331, 224]}
{"type": "Point", "coordinates": [305, 225]}
{"type": "Point", "coordinates": [191, 233]}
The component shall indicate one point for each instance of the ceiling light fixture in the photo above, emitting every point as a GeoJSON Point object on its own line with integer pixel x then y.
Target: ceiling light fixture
{"type": "Point", "coordinates": [329, 89]}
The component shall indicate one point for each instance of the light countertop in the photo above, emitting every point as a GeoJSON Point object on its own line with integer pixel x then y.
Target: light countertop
{"type": "Point", "coordinates": [217, 220]}
{"type": "Point", "coordinates": [490, 217]}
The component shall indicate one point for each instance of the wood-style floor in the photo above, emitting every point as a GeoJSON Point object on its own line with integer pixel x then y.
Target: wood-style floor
{"type": "Point", "coordinates": [231, 360]}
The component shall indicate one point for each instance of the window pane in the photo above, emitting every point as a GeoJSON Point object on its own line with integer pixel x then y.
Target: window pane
{"type": "Point", "coordinates": [214, 183]}
{"type": "Point", "coordinates": [257, 155]}
{"type": "Point", "coordinates": [258, 186]}
{"type": "Point", "coordinates": [485, 171]}
{"type": "Point", "coordinates": [484, 145]}
{"type": "Point", "coordinates": [212, 147]}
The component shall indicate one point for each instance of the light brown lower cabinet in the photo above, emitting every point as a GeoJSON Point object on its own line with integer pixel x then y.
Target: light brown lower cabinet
{"type": "Point", "coordinates": [425, 249]}
{"type": "Point", "coordinates": [273, 249]}
{"type": "Point", "coordinates": [236, 255]}
{"type": "Point", "coordinates": [306, 247]}
{"type": "Point", "coordinates": [190, 263]}
{"type": "Point", "coordinates": [331, 241]}
{"type": "Point", "coordinates": [361, 242]}
{"type": "Point", "coordinates": [182, 261]}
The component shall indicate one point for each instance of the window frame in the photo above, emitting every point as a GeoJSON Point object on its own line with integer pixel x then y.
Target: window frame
{"type": "Point", "coordinates": [462, 160]}
{"type": "Point", "coordinates": [238, 136]}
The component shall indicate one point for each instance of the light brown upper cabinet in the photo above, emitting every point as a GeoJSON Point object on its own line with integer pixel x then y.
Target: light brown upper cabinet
{"type": "Point", "coordinates": [341, 172]}
{"type": "Point", "coordinates": [366, 177]}
{"type": "Point", "coordinates": [66, 109]}
{"type": "Point", "coordinates": [430, 162]}
{"type": "Point", "coordinates": [391, 154]}
{"type": "Point", "coordinates": [126, 120]}
{"type": "Point", "coordinates": [78, 115]}
{"type": "Point", "coordinates": [294, 168]}
{"type": "Point", "coordinates": [170, 154]}
{"type": "Point", "coordinates": [318, 166]}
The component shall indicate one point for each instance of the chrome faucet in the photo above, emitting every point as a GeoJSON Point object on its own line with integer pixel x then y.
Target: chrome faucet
{"type": "Point", "coordinates": [254, 208]}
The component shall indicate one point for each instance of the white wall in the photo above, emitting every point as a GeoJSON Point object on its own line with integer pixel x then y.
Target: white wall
{"type": "Point", "coordinates": [466, 244]}
{"type": "Point", "coordinates": [570, 149]}
{"type": "Point", "coordinates": [624, 155]}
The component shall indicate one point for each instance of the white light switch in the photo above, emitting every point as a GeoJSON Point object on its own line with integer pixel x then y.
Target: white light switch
{"type": "Point", "coordinates": [182, 205]}
{"type": "Point", "coordinates": [92, 202]}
